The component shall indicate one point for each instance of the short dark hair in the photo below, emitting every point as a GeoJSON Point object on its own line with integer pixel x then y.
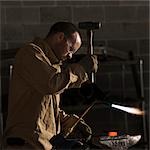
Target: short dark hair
{"type": "Point", "coordinates": [67, 28]}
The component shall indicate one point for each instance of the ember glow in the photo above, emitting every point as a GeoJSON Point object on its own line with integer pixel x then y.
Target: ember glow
{"type": "Point", "coordinates": [131, 110]}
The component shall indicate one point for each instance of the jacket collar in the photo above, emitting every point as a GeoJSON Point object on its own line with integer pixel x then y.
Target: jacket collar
{"type": "Point", "coordinates": [47, 50]}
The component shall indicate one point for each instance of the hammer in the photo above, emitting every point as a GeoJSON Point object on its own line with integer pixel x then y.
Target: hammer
{"type": "Point", "coordinates": [89, 27]}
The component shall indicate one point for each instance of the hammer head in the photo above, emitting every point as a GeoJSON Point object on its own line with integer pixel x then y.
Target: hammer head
{"type": "Point", "coordinates": [89, 25]}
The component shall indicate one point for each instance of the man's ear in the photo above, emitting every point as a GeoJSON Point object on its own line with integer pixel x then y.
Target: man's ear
{"type": "Point", "coordinates": [60, 36]}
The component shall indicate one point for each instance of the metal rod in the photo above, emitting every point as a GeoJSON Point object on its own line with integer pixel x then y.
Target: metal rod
{"type": "Point", "coordinates": [142, 96]}
{"type": "Point", "coordinates": [1, 115]}
{"type": "Point", "coordinates": [124, 94]}
{"type": "Point", "coordinates": [10, 71]}
{"type": "Point", "coordinates": [91, 43]}
{"type": "Point", "coordinates": [80, 118]}
{"type": "Point", "coordinates": [92, 53]}
{"type": "Point", "coordinates": [141, 78]}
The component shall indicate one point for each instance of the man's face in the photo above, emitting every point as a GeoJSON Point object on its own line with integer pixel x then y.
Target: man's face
{"type": "Point", "coordinates": [66, 47]}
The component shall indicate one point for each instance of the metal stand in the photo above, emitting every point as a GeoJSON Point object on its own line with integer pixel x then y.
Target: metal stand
{"type": "Point", "coordinates": [124, 95]}
{"type": "Point", "coordinates": [1, 116]}
{"type": "Point", "coordinates": [142, 96]}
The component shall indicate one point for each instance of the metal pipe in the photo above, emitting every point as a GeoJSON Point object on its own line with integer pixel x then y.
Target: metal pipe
{"type": "Point", "coordinates": [141, 78]}
{"type": "Point", "coordinates": [92, 53]}
{"type": "Point", "coordinates": [124, 95]}
{"type": "Point", "coordinates": [80, 118]}
{"type": "Point", "coordinates": [142, 96]}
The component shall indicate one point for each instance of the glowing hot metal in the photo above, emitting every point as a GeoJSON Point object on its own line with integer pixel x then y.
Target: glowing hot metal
{"type": "Point", "coordinates": [131, 110]}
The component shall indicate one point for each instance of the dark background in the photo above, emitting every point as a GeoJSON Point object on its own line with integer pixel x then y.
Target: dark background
{"type": "Point", "coordinates": [125, 28]}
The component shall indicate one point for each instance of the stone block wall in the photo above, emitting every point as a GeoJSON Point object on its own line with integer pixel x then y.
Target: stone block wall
{"type": "Point", "coordinates": [125, 27]}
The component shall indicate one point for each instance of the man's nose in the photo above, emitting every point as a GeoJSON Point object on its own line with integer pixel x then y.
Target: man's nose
{"type": "Point", "coordinates": [70, 55]}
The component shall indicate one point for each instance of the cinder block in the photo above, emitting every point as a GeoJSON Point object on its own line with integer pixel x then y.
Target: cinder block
{"type": "Point", "coordinates": [72, 3]}
{"type": "Point", "coordinates": [22, 15]}
{"type": "Point", "coordinates": [11, 3]}
{"type": "Point", "coordinates": [2, 36]}
{"type": "Point", "coordinates": [2, 13]}
{"type": "Point", "coordinates": [38, 3]}
{"type": "Point", "coordinates": [99, 43]}
{"type": "Point", "coordinates": [125, 30]}
{"type": "Point", "coordinates": [79, 3]}
{"type": "Point", "coordinates": [12, 32]}
{"type": "Point", "coordinates": [3, 45]}
{"type": "Point", "coordinates": [121, 13]}
{"type": "Point", "coordinates": [32, 31]}
{"type": "Point", "coordinates": [14, 45]}
{"type": "Point", "coordinates": [135, 30]}
{"type": "Point", "coordinates": [104, 3]}
{"type": "Point", "coordinates": [134, 3]}
{"type": "Point", "coordinates": [124, 45]}
{"type": "Point", "coordinates": [144, 47]}
{"type": "Point", "coordinates": [143, 13]}
{"type": "Point", "coordinates": [88, 14]}
{"type": "Point", "coordinates": [109, 31]}
{"type": "Point", "coordinates": [53, 14]}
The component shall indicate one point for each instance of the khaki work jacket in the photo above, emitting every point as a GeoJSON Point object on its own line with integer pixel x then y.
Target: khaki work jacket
{"type": "Point", "coordinates": [37, 81]}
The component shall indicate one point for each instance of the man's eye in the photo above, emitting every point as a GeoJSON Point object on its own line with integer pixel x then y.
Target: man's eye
{"type": "Point", "coordinates": [71, 49]}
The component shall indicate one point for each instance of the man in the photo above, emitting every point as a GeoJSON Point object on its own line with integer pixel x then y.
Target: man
{"type": "Point", "coordinates": [34, 116]}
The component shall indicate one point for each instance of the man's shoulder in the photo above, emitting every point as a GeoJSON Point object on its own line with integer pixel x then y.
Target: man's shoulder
{"type": "Point", "coordinates": [25, 49]}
